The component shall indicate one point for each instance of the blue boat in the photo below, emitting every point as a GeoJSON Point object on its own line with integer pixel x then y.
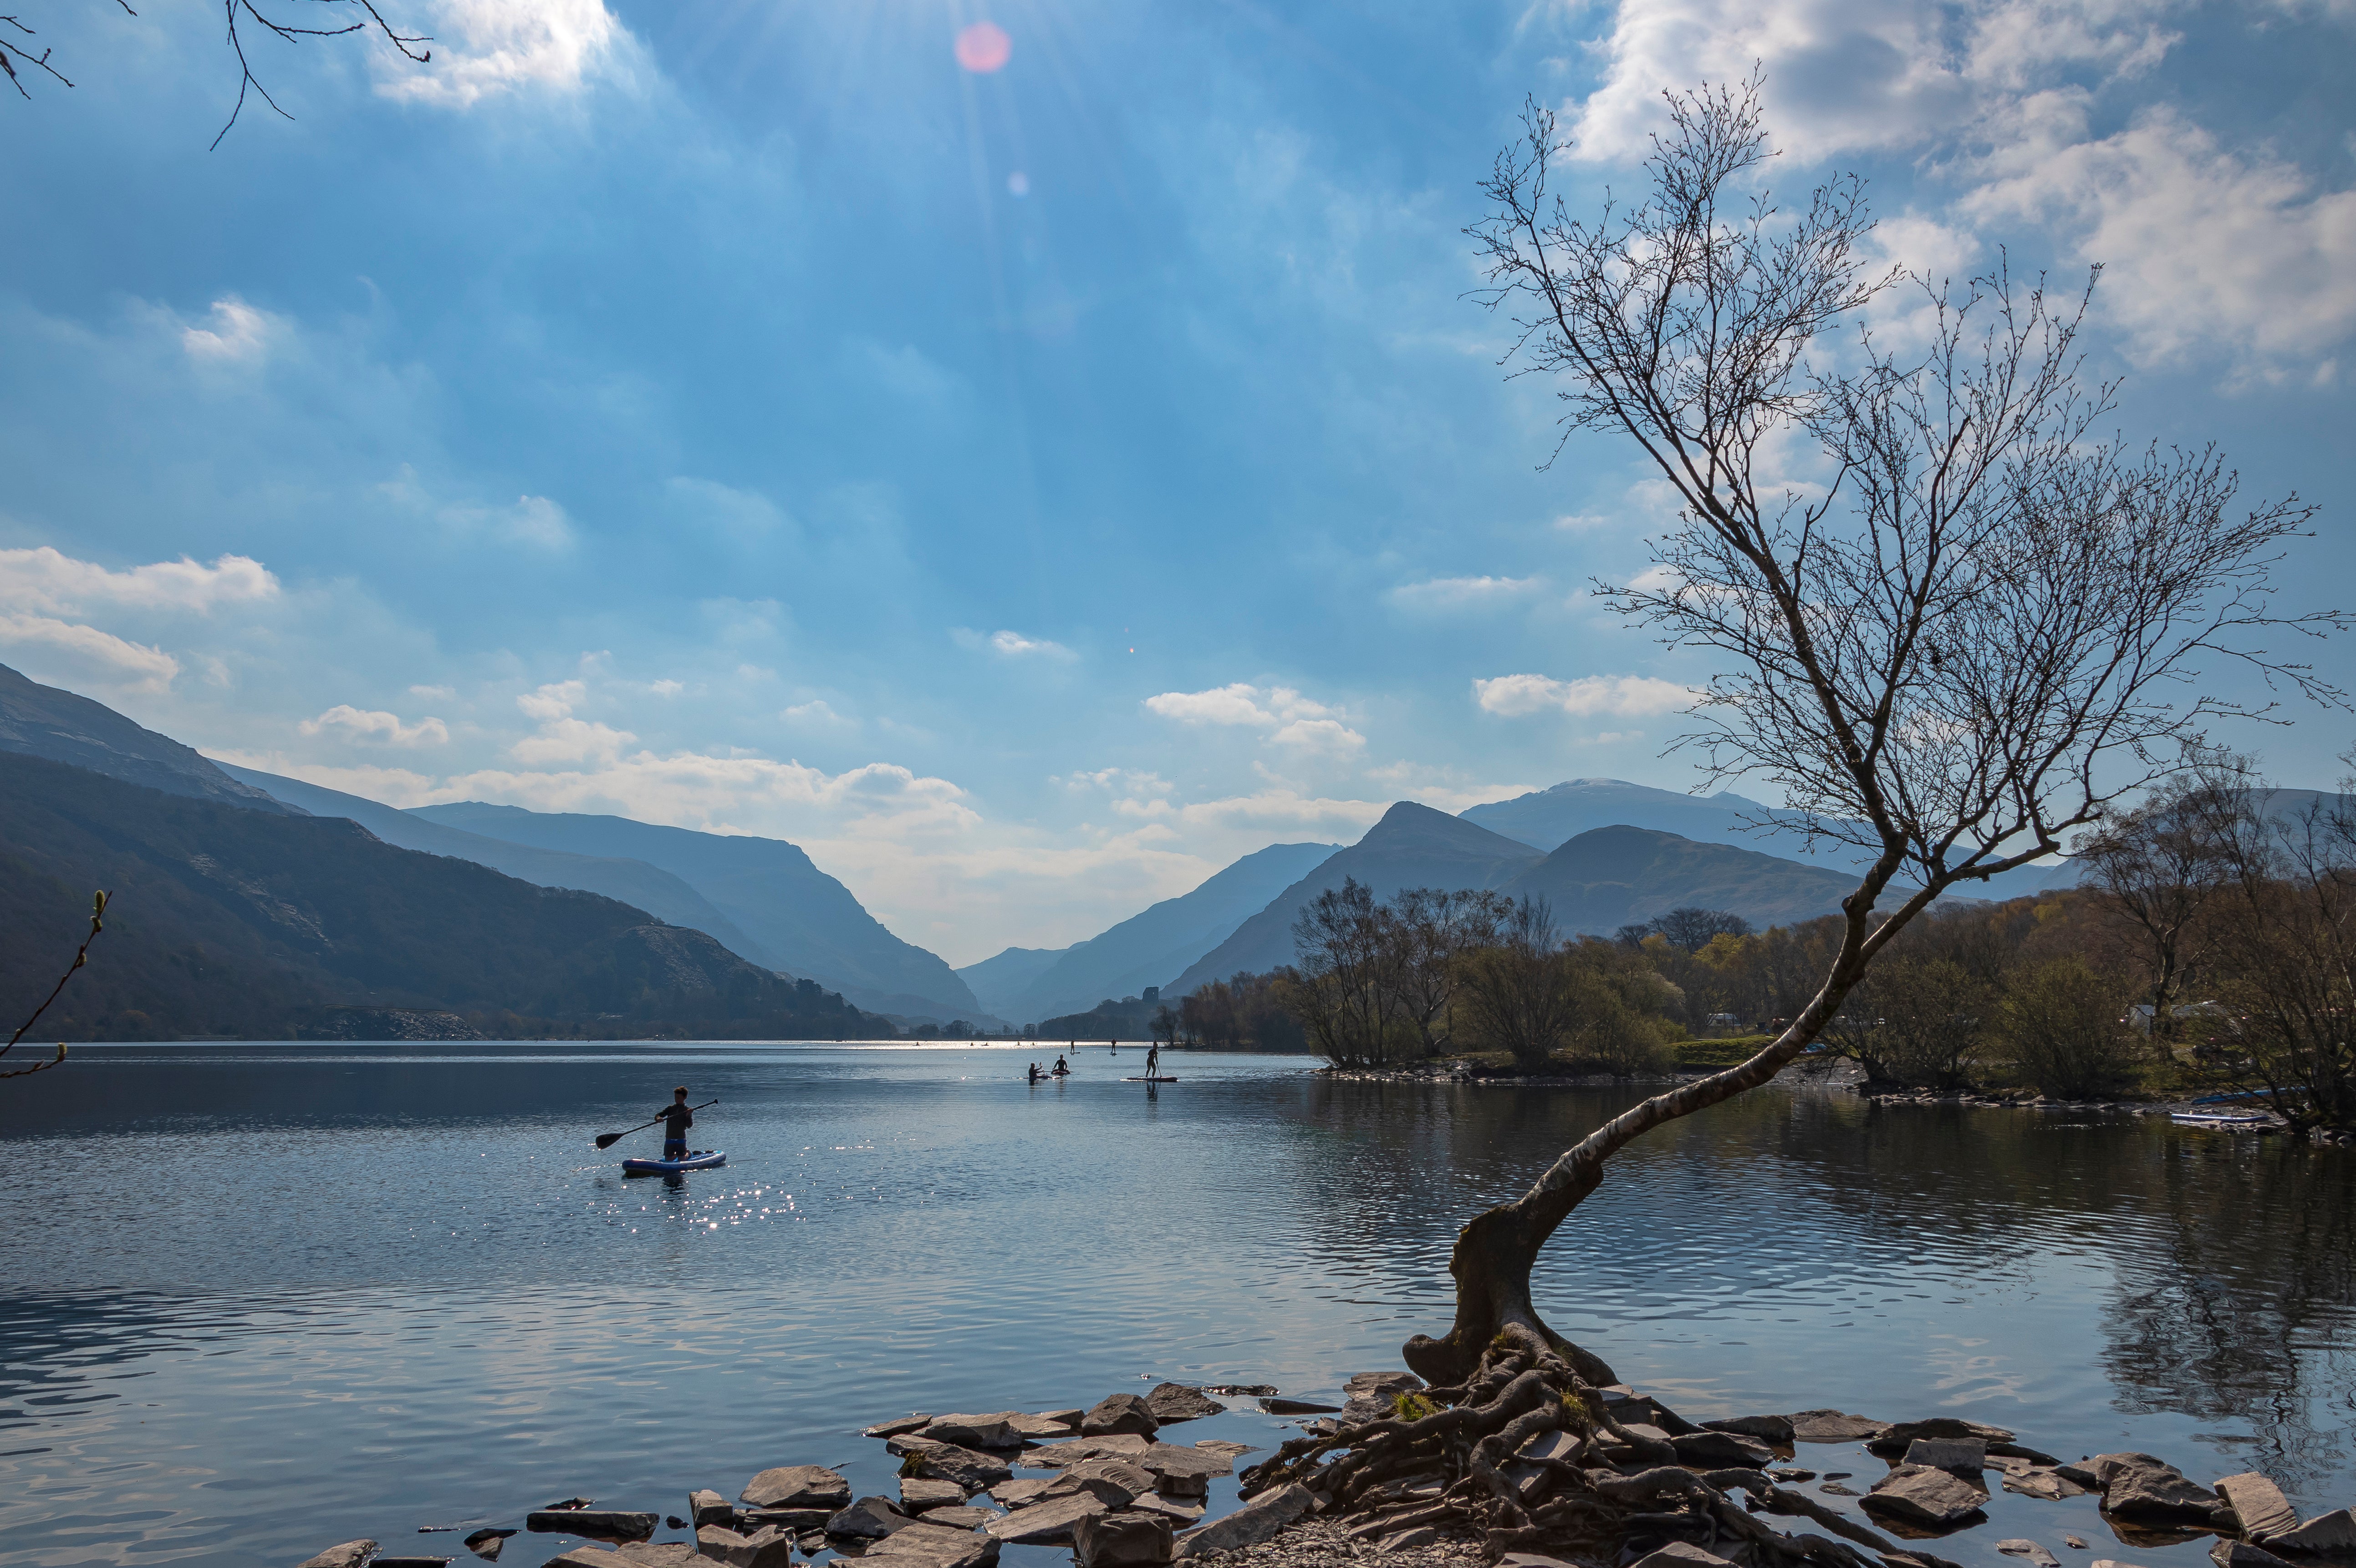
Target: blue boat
{"type": "Point", "coordinates": [697, 1159]}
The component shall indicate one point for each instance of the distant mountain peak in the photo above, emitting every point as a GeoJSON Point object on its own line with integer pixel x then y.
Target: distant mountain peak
{"type": "Point", "coordinates": [60, 726]}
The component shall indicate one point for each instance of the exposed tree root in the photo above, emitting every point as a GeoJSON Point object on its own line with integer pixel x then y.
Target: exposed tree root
{"type": "Point", "coordinates": [1452, 1457]}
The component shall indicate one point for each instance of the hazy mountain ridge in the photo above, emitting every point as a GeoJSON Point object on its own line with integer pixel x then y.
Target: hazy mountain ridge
{"type": "Point", "coordinates": [1154, 946]}
{"type": "Point", "coordinates": [233, 923]}
{"type": "Point", "coordinates": [1549, 817]}
{"type": "Point", "coordinates": [1610, 877]}
{"type": "Point", "coordinates": [632, 883]}
{"type": "Point", "coordinates": [39, 721]}
{"type": "Point", "coordinates": [1412, 846]}
{"type": "Point", "coordinates": [807, 922]}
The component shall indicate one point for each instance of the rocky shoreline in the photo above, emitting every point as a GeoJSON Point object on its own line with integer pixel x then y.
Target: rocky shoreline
{"type": "Point", "coordinates": [1110, 1487]}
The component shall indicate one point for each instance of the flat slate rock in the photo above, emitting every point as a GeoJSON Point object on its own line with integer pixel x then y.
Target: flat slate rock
{"type": "Point", "coordinates": [1182, 1510]}
{"type": "Point", "coordinates": [869, 1518]}
{"type": "Point", "coordinates": [2042, 1481]}
{"type": "Point", "coordinates": [769, 1548]}
{"type": "Point", "coordinates": [796, 1486]}
{"type": "Point", "coordinates": [2237, 1555]}
{"type": "Point", "coordinates": [973, 1431]}
{"type": "Point", "coordinates": [1771, 1429]}
{"type": "Point", "coordinates": [1047, 1523]}
{"type": "Point", "coordinates": [1893, 1440]}
{"type": "Point", "coordinates": [1681, 1554]}
{"type": "Point", "coordinates": [707, 1507]}
{"type": "Point", "coordinates": [2037, 1555]}
{"type": "Point", "coordinates": [1833, 1426]}
{"type": "Point", "coordinates": [960, 1518]}
{"type": "Point", "coordinates": [898, 1424]}
{"type": "Point", "coordinates": [1296, 1407]}
{"type": "Point", "coordinates": [1227, 1448]}
{"type": "Point", "coordinates": [1560, 1445]}
{"type": "Point", "coordinates": [606, 1525]}
{"type": "Point", "coordinates": [1121, 1539]}
{"type": "Point", "coordinates": [948, 1549]}
{"type": "Point", "coordinates": [1712, 1450]}
{"type": "Point", "coordinates": [1964, 1456]}
{"type": "Point", "coordinates": [2141, 1486]}
{"type": "Point", "coordinates": [1046, 1425]}
{"type": "Point", "coordinates": [348, 1555]}
{"type": "Point", "coordinates": [1080, 1450]}
{"type": "Point", "coordinates": [1178, 1401]}
{"type": "Point", "coordinates": [918, 1493]}
{"type": "Point", "coordinates": [1919, 1495]}
{"type": "Point", "coordinates": [969, 1468]}
{"type": "Point", "coordinates": [2259, 1504]}
{"type": "Point", "coordinates": [1117, 1413]}
{"type": "Point", "coordinates": [1256, 1521]}
{"type": "Point", "coordinates": [2333, 1533]}
{"type": "Point", "coordinates": [1021, 1493]}
{"type": "Point", "coordinates": [1112, 1482]}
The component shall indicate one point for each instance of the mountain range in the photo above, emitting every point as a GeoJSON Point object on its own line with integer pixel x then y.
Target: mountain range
{"type": "Point", "coordinates": [1604, 852]}
{"type": "Point", "coordinates": [243, 922]}
{"type": "Point", "coordinates": [1146, 949]}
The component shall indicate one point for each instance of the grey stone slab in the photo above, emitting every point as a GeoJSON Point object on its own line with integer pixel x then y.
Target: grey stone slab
{"type": "Point", "coordinates": [869, 1518]}
{"type": "Point", "coordinates": [1681, 1554]}
{"type": "Point", "coordinates": [1047, 1523]}
{"type": "Point", "coordinates": [1117, 1413]}
{"type": "Point", "coordinates": [1021, 1493]}
{"type": "Point", "coordinates": [2236, 1554]}
{"type": "Point", "coordinates": [1080, 1450]}
{"type": "Point", "coordinates": [1833, 1426]}
{"type": "Point", "coordinates": [1180, 1510]}
{"type": "Point", "coordinates": [1249, 1525]}
{"type": "Point", "coordinates": [969, 1468]}
{"type": "Point", "coordinates": [915, 1421]}
{"type": "Point", "coordinates": [2259, 1504]}
{"type": "Point", "coordinates": [796, 1486]}
{"type": "Point", "coordinates": [1127, 1539]}
{"type": "Point", "coordinates": [960, 1518]}
{"type": "Point", "coordinates": [2138, 1486]}
{"type": "Point", "coordinates": [1712, 1450]}
{"type": "Point", "coordinates": [918, 1493]}
{"type": "Point", "coordinates": [1770, 1429]}
{"type": "Point", "coordinates": [1169, 1403]}
{"type": "Point", "coordinates": [347, 1555]}
{"type": "Point", "coordinates": [1562, 1446]}
{"type": "Point", "coordinates": [1964, 1456]}
{"type": "Point", "coordinates": [707, 1507]}
{"type": "Point", "coordinates": [2037, 1557]}
{"type": "Point", "coordinates": [2333, 1532]}
{"type": "Point", "coordinates": [1919, 1495]}
{"type": "Point", "coordinates": [605, 1524]}
{"type": "Point", "coordinates": [1112, 1482]}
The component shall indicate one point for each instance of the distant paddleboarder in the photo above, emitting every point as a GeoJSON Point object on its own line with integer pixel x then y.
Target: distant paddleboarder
{"type": "Point", "coordinates": [1152, 1061]}
{"type": "Point", "coordinates": [1062, 1069]}
{"type": "Point", "coordinates": [1034, 1074]}
{"type": "Point", "coordinates": [676, 1119]}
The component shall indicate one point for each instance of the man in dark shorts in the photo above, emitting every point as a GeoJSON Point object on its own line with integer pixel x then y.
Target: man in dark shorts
{"type": "Point", "coordinates": [676, 1119]}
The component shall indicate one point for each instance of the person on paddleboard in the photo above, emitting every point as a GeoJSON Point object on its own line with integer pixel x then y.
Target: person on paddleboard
{"type": "Point", "coordinates": [676, 1119]}
{"type": "Point", "coordinates": [1062, 1070]}
{"type": "Point", "coordinates": [1152, 1061]}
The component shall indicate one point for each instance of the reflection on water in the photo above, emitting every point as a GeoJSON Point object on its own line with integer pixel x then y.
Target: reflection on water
{"type": "Point", "coordinates": [260, 1299]}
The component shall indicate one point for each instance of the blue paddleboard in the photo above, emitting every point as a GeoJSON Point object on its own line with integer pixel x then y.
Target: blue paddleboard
{"type": "Point", "coordinates": [697, 1159]}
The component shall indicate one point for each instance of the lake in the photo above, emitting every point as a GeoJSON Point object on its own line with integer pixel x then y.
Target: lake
{"type": "Point", "coordinates": [260, 1298]}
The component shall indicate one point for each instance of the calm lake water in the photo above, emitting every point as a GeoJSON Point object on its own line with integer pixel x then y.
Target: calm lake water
{"type": "Point", "coordinates": [260, 1299]}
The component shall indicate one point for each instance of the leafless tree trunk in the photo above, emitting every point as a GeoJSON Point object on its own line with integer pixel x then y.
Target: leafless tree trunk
{"type": "Point", "coordinates": [1960, 632]}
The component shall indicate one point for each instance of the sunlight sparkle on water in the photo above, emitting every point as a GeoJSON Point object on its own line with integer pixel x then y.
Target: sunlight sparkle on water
{"type": "Point", "coordinates": [984, 47]}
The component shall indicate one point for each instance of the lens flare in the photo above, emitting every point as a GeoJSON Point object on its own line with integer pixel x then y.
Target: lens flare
{"type": "Point", "coordinates": [984, 47]}
{"type": "Point", "coordinates": [1018, 184]}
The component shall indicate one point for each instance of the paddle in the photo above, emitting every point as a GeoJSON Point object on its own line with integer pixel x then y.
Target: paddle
{"type": "Point", "coordinates": [608, 1140]}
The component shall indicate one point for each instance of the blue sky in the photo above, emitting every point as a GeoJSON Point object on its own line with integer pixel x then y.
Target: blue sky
{"type": "Point", "coordinates": [1027, 489]}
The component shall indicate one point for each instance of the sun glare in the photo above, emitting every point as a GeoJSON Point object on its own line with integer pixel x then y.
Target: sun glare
{"type": "Point", "coordinates": [984, 47]}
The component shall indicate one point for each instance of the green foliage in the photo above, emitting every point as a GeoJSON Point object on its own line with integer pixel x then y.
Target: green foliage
{"type": "Point", "coordinates": [2058, 1028]}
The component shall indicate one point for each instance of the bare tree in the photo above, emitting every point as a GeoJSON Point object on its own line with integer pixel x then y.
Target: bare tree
{"type": "Point", "coordinates": [1434, 929]}
{"type": "Point", "coordinates": [2159, 865]}
{"type": "Point", "coordinates": [1969, 631]}
{"type": "Point", "coordinates": [1517, 988]}
{"type": "Point", "coordinates": [239, 15]}
{"type": "Point", "coordinates": [2286, 943]}
{"type": "Point", "coordinates": [81, 959]}
{"type": "Point", "coordinates": [1690, 928]}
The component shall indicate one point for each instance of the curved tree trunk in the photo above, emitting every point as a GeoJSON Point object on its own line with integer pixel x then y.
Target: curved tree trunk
{"type": "Point", "coordinates": [1493, 1254]}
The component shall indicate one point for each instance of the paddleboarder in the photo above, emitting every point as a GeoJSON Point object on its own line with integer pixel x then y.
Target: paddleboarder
{"type": "Point", "coordinates": [1062, 1068]}
{"type": "Point", "coordinates": [676, 1118]}
{"type": "Point", "coordinates": [1152, 1061]}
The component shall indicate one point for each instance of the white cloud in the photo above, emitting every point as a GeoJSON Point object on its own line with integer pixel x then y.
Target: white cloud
{"type": "Point", "coordinates": [375, 725]}
{"type": "Point", "coordinates": [90, 653]}
{"type": "Point", "coordinates": [2212, 247]}
{"type": "Point", "coordinates": [444, 692]}
{"type": "Point", "coordinates": [239, 334]}
{"type": "Point", "coordinates": [1267, 708]}
{"type": "Point", "coordinates": [2205, 247]}
{"type": "Point", "coordinates": [533, 520]}
{"type": "Point", "coordinates": [1461, 593]}
{"type": "Point", "coordinates": [1015, 645]}
{"type": "Point", "coordinates": [486, 47]}
{"type": "Point", "coordinates": [1517, 696]}
{"type": "Point", "coordinates": [1320, 737]}
{"type": "Point", "coordinates": [46, 579]}
{"type": "Point", "coordinates": [561, 737]}
{"type": "Point", "coordinates": [816, 711]}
